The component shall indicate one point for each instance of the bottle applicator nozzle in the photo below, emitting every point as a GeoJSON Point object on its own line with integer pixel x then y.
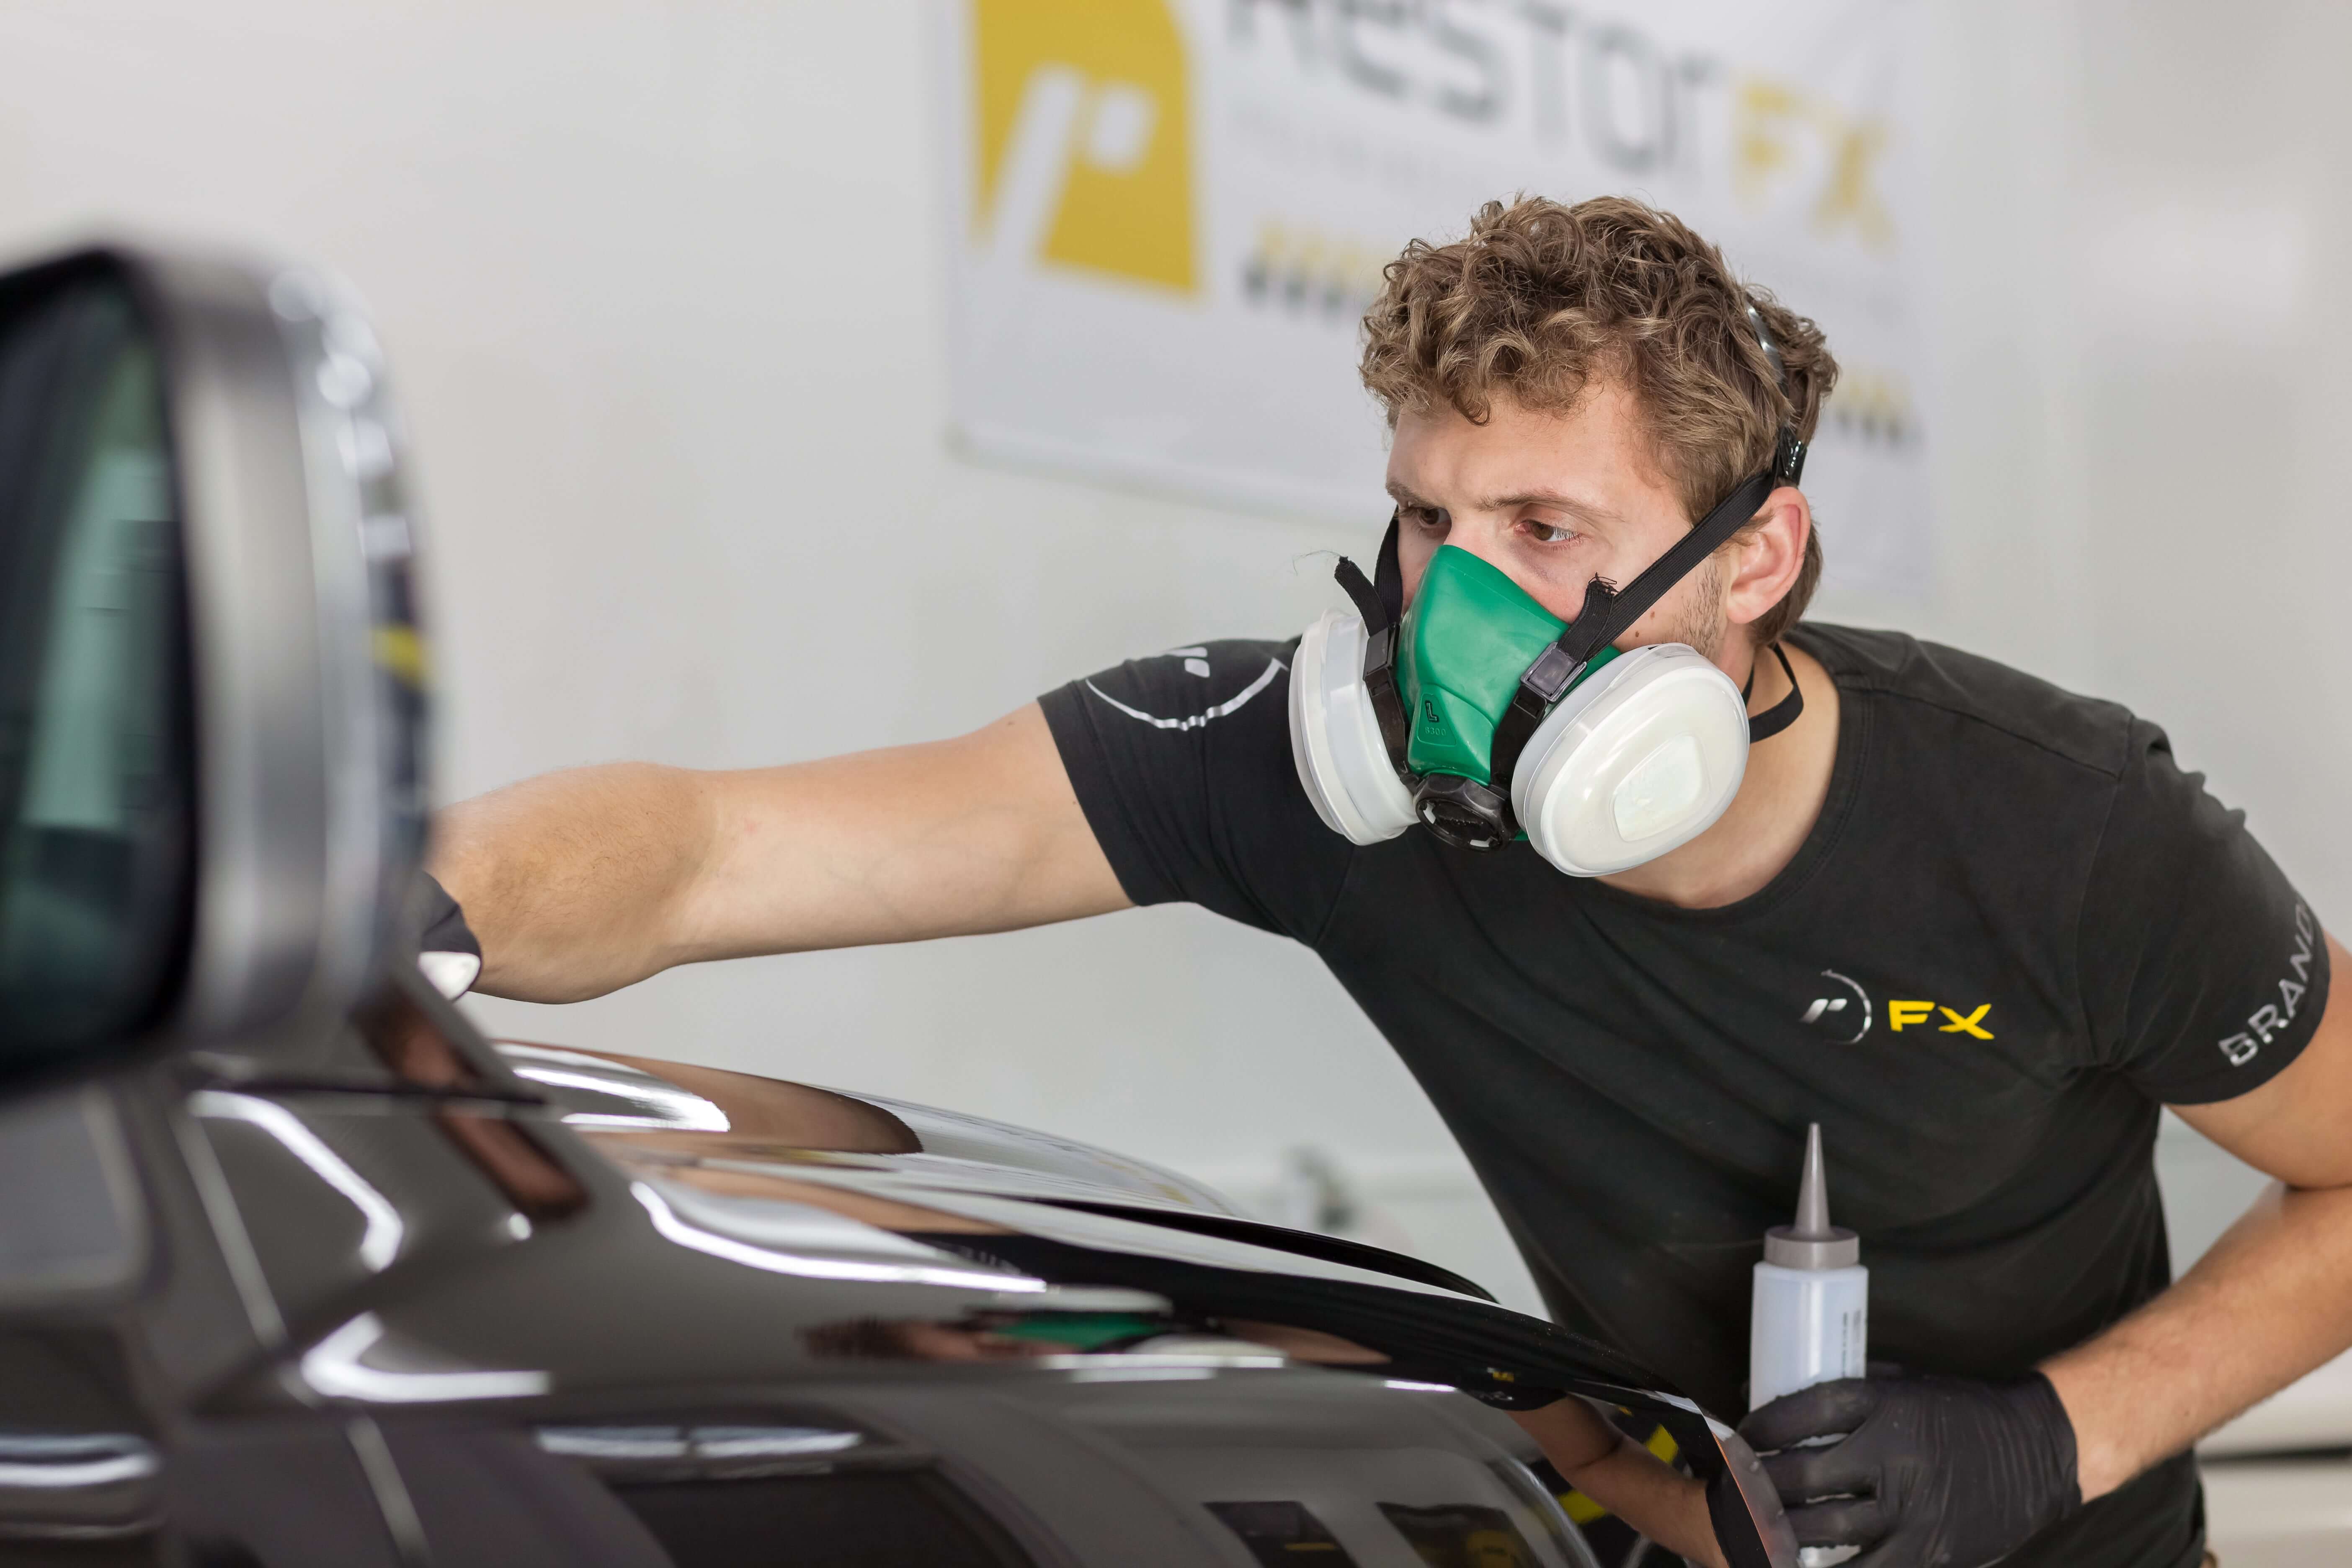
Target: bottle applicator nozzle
{"type": "Point", "coordinates": [1809, 1317]}
{"type": "Point", "coordinates": [1813, 1192]}
{"type": "Point", "coordinates": [1812, 1242]}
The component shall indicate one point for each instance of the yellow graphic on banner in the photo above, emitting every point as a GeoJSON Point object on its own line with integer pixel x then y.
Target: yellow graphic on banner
{"type": "Point", "coordinates": [1084, 154]}
{"type": "Point", "coordinates": [1770, 114]}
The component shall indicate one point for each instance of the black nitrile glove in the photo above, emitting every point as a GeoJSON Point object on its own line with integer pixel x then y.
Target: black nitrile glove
{"type": "Point", "coordinates": [448, 952]}
{"type": "Point", "coordinates": [1930, 1472]}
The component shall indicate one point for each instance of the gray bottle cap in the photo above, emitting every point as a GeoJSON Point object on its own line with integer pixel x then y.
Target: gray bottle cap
{"type": "Point", "coordinates": [1812, 1242]}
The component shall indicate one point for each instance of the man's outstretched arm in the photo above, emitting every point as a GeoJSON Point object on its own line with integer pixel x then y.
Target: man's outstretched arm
{"type": "Point", "coordinates": [2269, 1302]}
{"type": "Point", "coordinates": [580, 882]}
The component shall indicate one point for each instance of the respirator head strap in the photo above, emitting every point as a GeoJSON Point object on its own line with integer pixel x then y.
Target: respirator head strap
{"type": "Point", "coordinates": [1781, 714]}
{"type": "Point", "coordinates": [1379, 604]}
{"type": "Point", "coordinates": [1714, 531]}
{"type": "Point", "coordinates": [1607, 616]}
{"type": "Point", "coordinates": [1788, 452]}
{"type": "Point", "coordinates": [1734, 512]}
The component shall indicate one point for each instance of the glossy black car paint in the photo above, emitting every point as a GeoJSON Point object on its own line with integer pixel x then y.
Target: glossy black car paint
{"type": "Point", "coordinates": [321, 1276]}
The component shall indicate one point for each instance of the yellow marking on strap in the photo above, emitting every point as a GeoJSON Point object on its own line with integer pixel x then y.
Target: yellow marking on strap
{"type": "Point", "coordinates": [400, 653]}
{"type": "Point", "coordinates": [1582, 1509]}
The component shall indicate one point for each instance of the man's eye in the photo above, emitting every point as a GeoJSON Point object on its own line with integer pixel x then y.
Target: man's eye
{"type": "Point", "coordinates": [1545, 534]}
{"type": "Point", "coordinates": [1430, 519]}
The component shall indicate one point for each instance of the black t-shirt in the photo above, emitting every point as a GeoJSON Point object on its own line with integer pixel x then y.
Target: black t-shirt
{"type": "Point", "coordinates": [2016, 929]}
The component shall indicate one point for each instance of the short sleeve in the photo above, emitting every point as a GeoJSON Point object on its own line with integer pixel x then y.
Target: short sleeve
{"type": "Point", "coordinates": [2203, 970]}
{"type": "Point", "coordinates": [1181, 763]}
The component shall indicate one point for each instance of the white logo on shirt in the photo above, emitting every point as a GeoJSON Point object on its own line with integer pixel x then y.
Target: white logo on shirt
{"type": "Point", "coordinates": [1196, 663]}
{"type": "Point", "coordinates": [1838, 1011]}
{"type": "Point", "coordinates": [2271, 1018]}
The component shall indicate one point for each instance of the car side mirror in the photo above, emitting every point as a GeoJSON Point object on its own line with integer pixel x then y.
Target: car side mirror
{"type": "Point", "coordinates": [211, 684]}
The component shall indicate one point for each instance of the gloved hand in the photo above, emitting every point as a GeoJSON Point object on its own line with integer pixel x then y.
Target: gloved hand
{"type": "Point", "coordinates": [448, 952]}
{"type": "Point", "coordinates": [1930, 1472]}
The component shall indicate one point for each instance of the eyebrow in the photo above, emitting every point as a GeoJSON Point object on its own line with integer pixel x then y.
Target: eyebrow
{"type": "Point", "coordinates": [1573, 505]}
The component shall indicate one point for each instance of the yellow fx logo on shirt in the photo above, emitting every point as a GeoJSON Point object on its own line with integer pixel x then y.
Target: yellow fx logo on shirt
{"type": "Point", "coordinates": [1902, 1014]}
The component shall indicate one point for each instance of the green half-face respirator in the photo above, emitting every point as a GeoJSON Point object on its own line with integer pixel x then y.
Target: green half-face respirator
{"type": "Point", "coordinates": [1483, 717]}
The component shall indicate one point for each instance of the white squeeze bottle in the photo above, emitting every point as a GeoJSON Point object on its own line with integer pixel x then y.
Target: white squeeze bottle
{"type": "Point", "coordinates": [1811, 1314]}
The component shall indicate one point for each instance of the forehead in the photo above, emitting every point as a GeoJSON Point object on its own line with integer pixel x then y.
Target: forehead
{"type": "Point", "coordinates": [1594, 452]}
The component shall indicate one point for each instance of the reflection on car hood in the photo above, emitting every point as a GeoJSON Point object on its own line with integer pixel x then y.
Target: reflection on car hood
{"type": "Point", "coordinates": [730, 1239]}
{"type": "Point", "coordinates": [603, 1093]}
{"type": "Point", "coordinates": [736, 1159]}
{"type": "Point", "coordinates": [645, 1114]}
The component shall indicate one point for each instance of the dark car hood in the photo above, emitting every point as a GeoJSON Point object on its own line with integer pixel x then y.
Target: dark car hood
{"type": "Point", "coordinates": [729, 1221]}
{"type": "Point", "coordinates": [737, 1236]}
{"type": "Point", "coordinates": [659, 1119]}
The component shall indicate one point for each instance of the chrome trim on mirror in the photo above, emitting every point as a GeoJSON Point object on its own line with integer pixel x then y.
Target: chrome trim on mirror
{"type": "Point", "coordinates": [308, 671]}
{"type": "Point", "coordinates": [371, 658]}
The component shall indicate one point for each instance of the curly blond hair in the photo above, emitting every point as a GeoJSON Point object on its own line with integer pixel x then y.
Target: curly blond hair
{"type": "Point", "coordinates": [1539, 302]}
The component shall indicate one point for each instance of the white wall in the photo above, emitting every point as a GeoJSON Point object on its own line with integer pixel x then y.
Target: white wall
{"type": "Point", "coordinates": [661, 287]}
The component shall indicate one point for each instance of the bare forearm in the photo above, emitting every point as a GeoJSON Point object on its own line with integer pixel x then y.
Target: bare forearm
{"type": "Point", "coordinates": [946, 839]}
{"type": "Point", "coordinates": [573, 883]}
{"type": "Point", "coordinates": [1624, 1478]}
{"type": "Point", "coordinates": [2272, 1301]}
{"type": "Point", "coordinates": [581, 882]}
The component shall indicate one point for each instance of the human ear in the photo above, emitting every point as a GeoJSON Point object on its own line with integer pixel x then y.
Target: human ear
{"type": "Point", "coordinates": [1767, 555]}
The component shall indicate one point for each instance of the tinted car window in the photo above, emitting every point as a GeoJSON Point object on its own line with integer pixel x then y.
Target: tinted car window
{"type": "Point", "coordinates": [1281, 1534]}
{"type": "Point", "coordinates": [1464, 1536]}
{"type": "Point", "coordinates": [886, 1520]}
{"type": "Point", "coordinates": [94, 797]}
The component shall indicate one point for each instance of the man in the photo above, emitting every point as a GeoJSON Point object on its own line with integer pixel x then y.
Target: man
{"type": "Point", "coordinates": [1978, 928]}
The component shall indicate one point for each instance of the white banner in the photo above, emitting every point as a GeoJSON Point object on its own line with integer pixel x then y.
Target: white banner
{"type": "Point", "coordinates": [1167, 216]}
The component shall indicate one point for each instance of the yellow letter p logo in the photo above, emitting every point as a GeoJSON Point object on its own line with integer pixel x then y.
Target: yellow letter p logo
{"type": "Point", "coordinates": [1085, 143]}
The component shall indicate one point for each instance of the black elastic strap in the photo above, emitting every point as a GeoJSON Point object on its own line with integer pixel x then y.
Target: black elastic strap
{"type": "Point", "coordinates": [1388, 577]}
{"type": "Point", "coordinates": [1379, 603]}
{"type": "Point", "coordinates": [1781, 714]}
{"type": "Point", "coordinates": [1788, 452]}
{"type": "Point", "coordinates": [1734, 512]}
{"type": "Point", "coordinates": [1361, 593]}
{"type": "Point", "coordinates": [1607, 616]}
